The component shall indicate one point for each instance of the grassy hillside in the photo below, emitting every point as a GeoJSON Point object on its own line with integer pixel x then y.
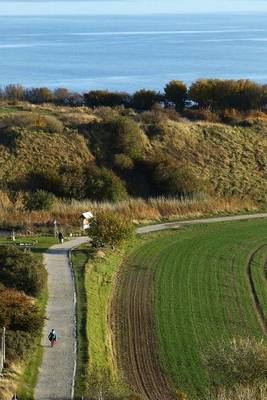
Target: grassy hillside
{"type": "Point", "coordinates": [146, 154]}
{"type": "Point", "coordinates": [195, 283]}
{"type": "Point", "coordinates": [31, 151]}
{"type": "Point", "coordinates": [231, 160]}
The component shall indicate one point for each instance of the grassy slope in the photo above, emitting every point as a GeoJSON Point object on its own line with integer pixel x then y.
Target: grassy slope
{"type": "Point", "coordinates": [79, 259]}
{"type": "Point", "coordinates": [100, 279]}
{"type": "Point", "coordinates": [232, 160]}
{"type": "Point", "coordinates": [39, 150]}
{"type": "Point", "coordinates": [94, 282]}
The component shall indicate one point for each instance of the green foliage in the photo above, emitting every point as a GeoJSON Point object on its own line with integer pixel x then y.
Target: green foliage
{"type": "Point", "coordinates": [73, 182]}
{"type": "Point", "coordinates": [109, 228]}
{"type": "Point", "coordinates": [21, 270]}
{"type": "Point", "coordinates": [171, 179]}
{"type": "Point", "coordinates": [145, 99]}
{"type": "Point", "coordinates": [176, 92]}
{"type": "Point", "coordinates": [39, 200]}
{"type": "Point", "coordinates": [120, 135]}
{"type": "Point", "coordinates": [103, 184]}
{"type": "Point", "coordinates": [47, 180]}
{"type": "Point", "coordinates": [123, 162]}
{"type": "Point", "coordinates": [221, 94]}
{"type": "Point", "coordinates": [104, 98]}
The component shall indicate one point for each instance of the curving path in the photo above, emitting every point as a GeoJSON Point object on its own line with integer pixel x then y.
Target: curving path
{"type": "Point", "coordinates": [179, 224]}
{"type": "Point", "coordinates": [56, 375]}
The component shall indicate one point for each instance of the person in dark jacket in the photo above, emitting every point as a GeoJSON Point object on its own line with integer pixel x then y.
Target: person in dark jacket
{"type": "Point", "coordinates": [61, 237]}
{"type": "Point", "coordinates": [52, 337]}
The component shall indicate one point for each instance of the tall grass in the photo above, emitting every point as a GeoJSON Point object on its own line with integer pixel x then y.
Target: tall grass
{"type": "Point", "coordinates": [68, 212]}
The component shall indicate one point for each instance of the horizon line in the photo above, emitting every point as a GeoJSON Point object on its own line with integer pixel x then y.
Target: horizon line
{"type": "Point", "coordinates": [138, 14]}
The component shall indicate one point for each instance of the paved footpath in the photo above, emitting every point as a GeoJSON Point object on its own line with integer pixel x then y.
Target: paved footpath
{"type": "Point", "coordinates": [56, 375]}
{"type": "Point", "coordinates": [178, 224]}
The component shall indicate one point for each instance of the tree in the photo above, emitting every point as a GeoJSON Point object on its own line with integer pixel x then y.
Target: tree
{"type": "Point", "coordinates": [61, 96]}
{"type": "Point", "coordinates": [104, 98]}
{"type": "Point", "coordinates": [219, 94]}
{"type": "Point", "coordinates": [176, 92]}
{"type": "Point", "coordinates": [39, 95]}
{"type": "Point", "coordinates": [14, 92]}
{"type": "Point", "coordinates": [144, 100]}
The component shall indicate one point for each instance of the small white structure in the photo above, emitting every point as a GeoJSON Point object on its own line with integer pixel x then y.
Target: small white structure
{"type": "Point", "coordinates": [86, 216]}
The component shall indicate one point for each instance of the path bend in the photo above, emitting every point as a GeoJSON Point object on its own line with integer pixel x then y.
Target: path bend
{"type": "Point", "coordinates": [56, 375]}
{"type": "Point", "coordinates": [179, 224]}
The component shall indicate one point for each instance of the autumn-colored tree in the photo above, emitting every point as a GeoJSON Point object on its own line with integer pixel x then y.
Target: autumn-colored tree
{"type": "Point", "coordinates": [175, 93]}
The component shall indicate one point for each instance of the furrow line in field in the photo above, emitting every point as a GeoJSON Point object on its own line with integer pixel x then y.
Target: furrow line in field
{"type": "Point", "coordinates": [135, 333]}
{"type": "Point", "coordinates": [258, 306]}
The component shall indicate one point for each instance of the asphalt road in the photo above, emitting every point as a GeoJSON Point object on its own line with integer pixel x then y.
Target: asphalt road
{"type": "Point", "coordinates": [56, 375]}
{"type": "Point", "coordinates": [176, 225]}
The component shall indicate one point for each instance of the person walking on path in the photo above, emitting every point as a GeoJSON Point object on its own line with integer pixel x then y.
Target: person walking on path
{"type": "Point", "coordinates": [52, 337]}
{"type": "Point", "coordinates": [61, 237]}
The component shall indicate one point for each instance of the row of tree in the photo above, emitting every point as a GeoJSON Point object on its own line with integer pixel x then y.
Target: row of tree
{"type": "Point", "coordinates": [213, 94]}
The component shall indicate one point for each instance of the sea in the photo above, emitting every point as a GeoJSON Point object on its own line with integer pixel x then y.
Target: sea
{"type": "Point", "coordinates": [131, 52]}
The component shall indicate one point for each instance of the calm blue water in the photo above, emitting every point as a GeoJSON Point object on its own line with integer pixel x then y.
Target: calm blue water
{"type": "Point", "coordinates": [126, 53]}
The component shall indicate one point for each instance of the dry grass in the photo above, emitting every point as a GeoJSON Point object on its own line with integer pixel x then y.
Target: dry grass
{"type": "Point", "coordinates": [67, 213]}
{"type": "Point", "coordinates": [9, 382]}
{"type": "Point", "coordinates": [257, 392]}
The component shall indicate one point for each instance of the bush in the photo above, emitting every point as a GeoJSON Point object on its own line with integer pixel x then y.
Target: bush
{"type": "Point", "coordinates": [171, 179]}
{"type": "Point", "coordinates": [108, 228]}
{"type": "Point", "coordinates": [239, 362]}
{"type": "Point", "coordinates": [32, 121]}
{"type": "Point", "coordinates": [104, 98]}
{"type": "Point", "coordinates": [123, 162]}
{"type": "Point", "coordinates": [102, 184]}
{"type": "Point", "coordinates": [21, 312]}
{"type": "Point", "coordinates": [18, 344]}
{"type": "Point", "coordinates": [21, 271]}
{"type": "Point", "coordinates": [145, 99]}
{"type": "Point", "coordinates": [202, 114]}
{"type": "Point", "coordinates": [39, 200]}
{"type": "Point", "coordinates": [120, 135]}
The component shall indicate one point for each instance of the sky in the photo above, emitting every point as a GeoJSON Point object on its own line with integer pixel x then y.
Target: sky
{"type": "Point", "coordinates": [75, 7]}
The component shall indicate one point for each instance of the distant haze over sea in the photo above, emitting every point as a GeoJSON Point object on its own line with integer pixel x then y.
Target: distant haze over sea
{"type": "Point", "coordinates": [131, 52]}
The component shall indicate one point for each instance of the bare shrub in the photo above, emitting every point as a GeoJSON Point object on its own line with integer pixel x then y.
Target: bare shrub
{"type": "Point", "coordinates": [238, 362]}
{"type": "Point", "coordinates": [239, 392]}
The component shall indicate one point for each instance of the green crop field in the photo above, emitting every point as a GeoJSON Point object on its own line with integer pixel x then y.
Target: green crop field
{"type": "Point", "coordinates": [202, 295]}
